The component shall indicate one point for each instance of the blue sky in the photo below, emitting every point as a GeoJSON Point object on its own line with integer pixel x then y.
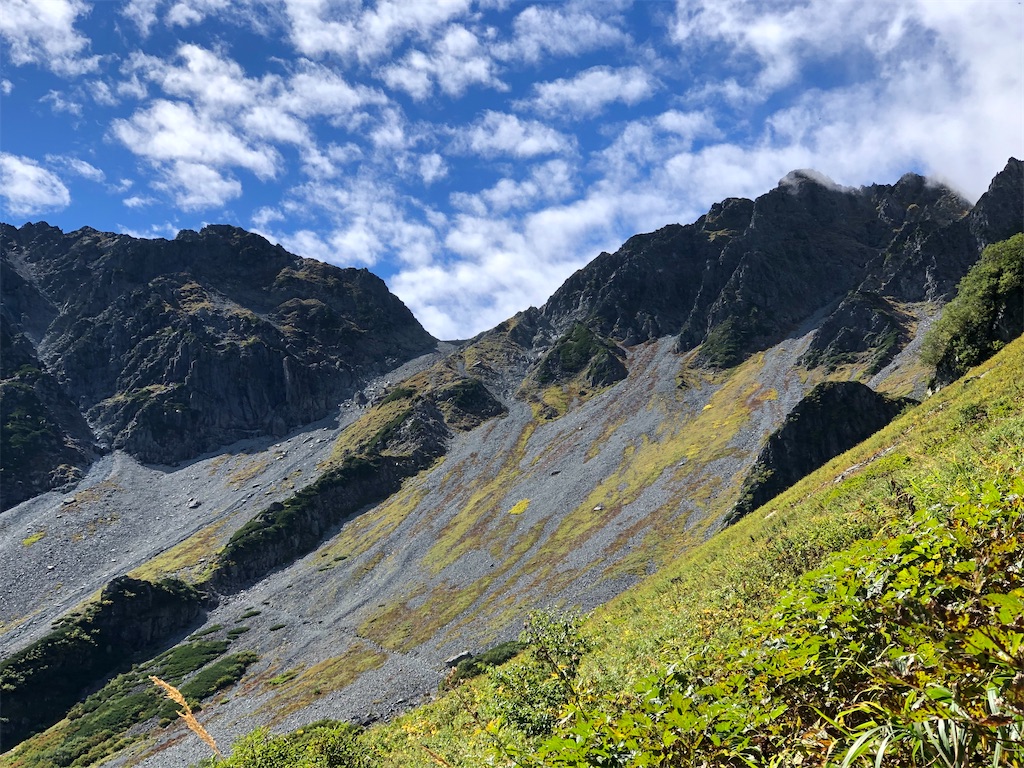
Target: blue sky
{"type": "Point", "coordinates": [475, 154]}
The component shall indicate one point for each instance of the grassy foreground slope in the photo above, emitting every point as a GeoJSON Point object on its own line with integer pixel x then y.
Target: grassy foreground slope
{"type": "Point", "coordinates": [872, 614]}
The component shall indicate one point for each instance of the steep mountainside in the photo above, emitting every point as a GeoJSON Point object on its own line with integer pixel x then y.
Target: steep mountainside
{"type": "Point", "coordinates": [169, 349]}
{"type": "Point", "coordinates": [832, 418]}
{"type": "Point", "coordinates": [555, 460]}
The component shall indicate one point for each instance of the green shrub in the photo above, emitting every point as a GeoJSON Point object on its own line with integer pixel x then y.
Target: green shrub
{"type": "Point", "coordinates": [218, 676]}
{"type": "Point", "coordinates": [398, 393]}
{"type": "Point", "coordinates": [583, 357]}
{"type": "Point", "coordinates": [894, 650]}
{"type": "Point", "coordinates": [322, 745]}
{"type": "Point", "coordinates": [529, 693]}
{"type": "Point", "coordinates": [477, 665]}
{"type": "Point", "coordinates": [985, 314]}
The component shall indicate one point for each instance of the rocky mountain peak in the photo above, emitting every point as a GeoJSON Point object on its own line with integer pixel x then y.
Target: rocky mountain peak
{"type": "Point", "coordinates": [749, 272]}
{"type": "Point", "coordinates": [170, 348]}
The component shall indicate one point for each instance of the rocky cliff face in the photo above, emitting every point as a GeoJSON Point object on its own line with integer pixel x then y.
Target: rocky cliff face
{"type": "Point", "coordinates": [832, 418]}
{"type": "Point", "coordinates": [748, 273]}
{"type": "Point", "coordinates": [171, 348]}
{"type": "Point", "coordinates": [131, 617]}
{"type": "Point", "coordinates": [44, 440]}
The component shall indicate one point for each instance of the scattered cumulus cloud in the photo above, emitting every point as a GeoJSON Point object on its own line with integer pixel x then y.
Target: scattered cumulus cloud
{"type": "Point", "coordinates": [139, 201]}
{"type": "Point", "coordinates": [590, 91]}
{"type": "Point", "coordinates": [432, 167]}
{"type": "Point", "coordinates": [166, 230]}
{"type": "Point", "coordinates": [475, 153]}
{"type": "Point", "coordinates": [143, 13]}
{"type": "Point", "coordinates": [29, 189]}
{"type": "Point", "coordinates": [549, 181]}
{"type": "Point", "coordinates": [78, 167]}
{"type": "Point", "coordinates": [195, 186]}
{"type": "Point", "coordinates": [185, 13]}
{"type": "Point", "coordinates": [501, 133]}
{"type": "Point", "coordinates": [265, 216]}
{"type": "Point", "coordinates": [170, 131]}
{"type": "Point", "coordinates": [58, 103]}
{"type": "Point", "coordinates": [456, 61]}
{"type": "Point", "coordinates": [560, 30]}
{"type": "Point", "coordinates": [216, 116]}
{"type": "Point", "coordinates": [102, 93]}
{"type": "Point", "coordinates": [43, 32]}
{"type": "Point", "coordinates": [199, 75]}
{"type": "Point", "coordinates": [319, 27]}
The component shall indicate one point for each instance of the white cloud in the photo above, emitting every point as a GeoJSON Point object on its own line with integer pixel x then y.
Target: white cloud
{"type": "Point", "coordinates": [43, 32]}
{"type": "Point", "coordinates": [557, 30]}
{"type": "Point", "coordinates": [319, 27]}
{"type": "Point", "coordinates": [77, 166]}
{"type": "Point", "coordinates": [327, 162]}
{"type": "Point", "coordinates": [29, 189]}
{"type": "Point", "coordinates": [226, 119]}
{"type": "Point", "coordinates": [258, 15]}
{"type": "Point", "coordinates": [641, 146]}
{"type": "Point", "coordinates": [102, 94]}
{"type": "Point", "coordinates": [316, 90]}
{"type": "Point", "coordinates": [432, 167]}
{"type": "Point", "coordinates": [546, 182]}
{"type": "Point", "coordinates": [195, 186]}
{"type": "Point", "coordinates": [778, 36]}
{"type": "Point", "coordinates": [456, 62]}
{"type": "Point", "coordinates": [143, 13]}
{"type": "Point", "coordinates": [175, 132]}
{"type": "Point", "coordinates": [266, 215]}
{"type": "Point", "coordinates": [268, 121]}
{"type": "Point", "coordinates": [686, 125]}
{"type": "Point", "coordinates": [500, 133]}
{"type": "Point", "coordinates": [590, 91]}
{"type": "Point", "coordinates": [203, 77]}
{"type": "Point", "coordinates": [166, 230]}
{"type": "Point", "coordinates": [503, 266]}
{"type": "Point", "coordinates": [137, 201]}
{"type": "Point", "coordinates": [185, 14]}
{"type": "Point", "coordinates": [366, 220]}
{"type": "Point", "coordinates": [58, 103]}
{"type": "Point", "coordinates": [390, 134]}
{"type": "Point", "coordinates": [6, 87]}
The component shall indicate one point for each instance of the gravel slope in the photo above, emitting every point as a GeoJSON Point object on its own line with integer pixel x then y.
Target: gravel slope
{"type": "Point", "coordinates": [328, 607]}
{"type": "Point", "coordinates": [326, 612]}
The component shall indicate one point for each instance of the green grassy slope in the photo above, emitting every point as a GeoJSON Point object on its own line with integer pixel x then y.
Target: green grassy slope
{"type": "Point", "coordinates": [871, 612]}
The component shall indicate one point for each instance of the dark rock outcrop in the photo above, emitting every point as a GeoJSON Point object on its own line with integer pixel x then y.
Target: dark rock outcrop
{"type": "Point", "coordinates": [409, 441]}
{"type": "Point", "coordinates": [865, 327]}
{"type": "Point", "coordinates": [832, 418]}
{"type": "Point", "coordinates": [932, 250]}
{"type": "Point", "coordinates": [748, 273]}
{"type": "Point", "coordinates": [927, 261]}
{"type": "Point", "coordinates": [650, 286]}
{"type": "Point", "coordinates": [172, 348]}
{"type": "Point", "coordinates": [131, 618]}
{"type": "Point", "coordinates": [44, 441]}
{"type": "Point", "coordinates": [580, 352]}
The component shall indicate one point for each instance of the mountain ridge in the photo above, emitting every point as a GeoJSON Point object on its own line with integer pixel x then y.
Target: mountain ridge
{"type": "Point", "coordinates": [172, 348]}
{"type": "Point", "coordinates": [596, 451]}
